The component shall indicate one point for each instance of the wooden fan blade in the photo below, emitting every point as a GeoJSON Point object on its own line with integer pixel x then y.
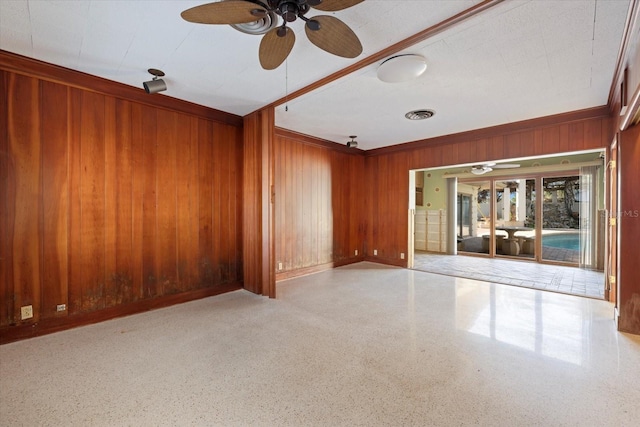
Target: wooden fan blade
{"type": "Point", "coordinates": [275, 49]}
{"type": "Point", "coordinates": [334, 5]}
{"type": "Point", "coordinates": [506, 166]}
{"type": "Point", "coordinates": [224, 12]}
{"type": "Point", "coordinates": [334, 36]}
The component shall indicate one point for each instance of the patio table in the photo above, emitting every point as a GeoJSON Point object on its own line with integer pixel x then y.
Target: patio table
{"type": "Point", "coordinates": [512, 230]}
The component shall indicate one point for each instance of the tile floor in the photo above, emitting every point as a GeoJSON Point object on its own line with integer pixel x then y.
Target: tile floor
{"type": "Point", "coordinates": [568, 280]}
{"type": "Point", "coordinates": [360, 345]}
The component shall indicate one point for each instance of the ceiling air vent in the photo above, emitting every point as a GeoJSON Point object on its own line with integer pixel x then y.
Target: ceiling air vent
{"type": "Point", "coordinates": [419, 114]}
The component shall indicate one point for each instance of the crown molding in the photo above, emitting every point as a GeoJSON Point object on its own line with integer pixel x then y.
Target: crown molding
{"type": "Point", "coordinates": [30, 67]}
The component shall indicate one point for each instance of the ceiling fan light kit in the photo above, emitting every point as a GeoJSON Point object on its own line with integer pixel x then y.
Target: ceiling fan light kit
{"type": "Point", "coordinates": [402, 68]}
{"type": "Point", "coordinates": [261, 26]}
{"type": "Point", "coordinates": [250, 16]}
{"type": "Point", "coordinates": [156, 84]}
{"type": "Point", "coordinates": [488, 167]}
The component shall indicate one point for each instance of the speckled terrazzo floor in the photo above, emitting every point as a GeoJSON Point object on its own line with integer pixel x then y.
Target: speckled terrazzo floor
{"type": "Point", "coordinates": [361, 345]}
{"type": "Point", "coordinates": [529, 274]}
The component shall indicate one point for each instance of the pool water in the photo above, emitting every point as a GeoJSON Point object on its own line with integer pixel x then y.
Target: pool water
{"type": "Point", "coordinates": [563, 241]}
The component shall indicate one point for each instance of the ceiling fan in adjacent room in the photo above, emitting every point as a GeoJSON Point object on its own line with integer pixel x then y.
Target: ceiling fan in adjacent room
{"type": "Point", "coordinates": [325, 31]}
{"type": "Point", "coordinates": [488, 167]}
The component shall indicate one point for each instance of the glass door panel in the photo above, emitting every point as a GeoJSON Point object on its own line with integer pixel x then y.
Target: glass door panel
{"type": "Point", "coordinates": [474, 214]}
{"type": "Point", "coordinates": [464, 215]}
{"type": "Point", "coordinates": [515, 207]}
{"type": "Point", "coordinates": [561, 218]}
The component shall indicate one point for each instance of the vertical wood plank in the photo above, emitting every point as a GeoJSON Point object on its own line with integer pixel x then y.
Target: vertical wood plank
{"type": "Point", "coordinates": [205, 153]}
{"type": "Point", "coordinates": [23, 130]}
{"type": "Point", "coordinates": [305, 183]}
{"type": "Point", "coordinates": [92, 201]}
{"type": "Point", "coordinates": [183, 205]}
{"type": "Point", "coordinates": [592, 134]}
{"type": "Point", "coordinates": [167, 138]}
{"type": "Point", "coordinates": [111, 176]}
{"type": "Point", "coordinates": [75, 213]}
{"type": "Point", "coordinates": [538, 147]}
{"type": "Point", "coordinates": [482, 150]}
{"type": "Point", "coordinates": [563, 143]}
{"type": "Point", "coordinates": [148, 135]}
{"type": "Point", "coordinates": [7, 176]}
{"type": "Point", "coordinates": [216, 202]}
{"type": "Point", "coordinates": [550, 139]}
{"type": "Point", "coordinates": [496, 147]}
{"type": "Point", "coordinates": [513, 146]}
{"type": "Point", "coordinates": [576, 136]}
{"type": "Point", "coordinates": [139, 132]}
{"type": "Point", "coordinates": [194, 207]}
{"type": "Point", "coordinates": [55, 199]}
{"type": "Point", "coordinates": [239, 201]}
{"type": "Point", "coordinates": [225, 219]}
{"type": "Point", "coordinates": [467, 152]}
{"type": "Point", "coordinates": [450, 154]}
{"type": "Point", "coordinates": [122, 280]}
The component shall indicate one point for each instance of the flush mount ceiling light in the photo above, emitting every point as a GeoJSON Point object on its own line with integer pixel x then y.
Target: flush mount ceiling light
{"type": "Point", "coordinates": [353, 143]}
{"type": "Point", "coordinates": [402, 68]}
{"type": "Point", "coordinates": [420, 114]}
{"type": "Point", "coordinates": [156, 84]}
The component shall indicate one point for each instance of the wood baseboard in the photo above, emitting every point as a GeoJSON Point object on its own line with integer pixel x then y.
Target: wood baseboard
{"type": "Point", "coordinates": [29, 330]}
{"type": "Point", "coordinates": [316, 268]}
{"type": "Point", "coordinates": [388, 261]}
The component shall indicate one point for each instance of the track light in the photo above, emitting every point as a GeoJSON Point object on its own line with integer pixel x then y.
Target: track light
{"type": "Point", "coordinates": [156, 84]}
{"type": "Point", "coordinates": [353, 143]}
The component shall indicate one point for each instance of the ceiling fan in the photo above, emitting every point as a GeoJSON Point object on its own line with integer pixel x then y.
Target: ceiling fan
{"type": "Point", "coordinates": [325, 31]}
{"type": "Point", "coordinates": [488, 167]}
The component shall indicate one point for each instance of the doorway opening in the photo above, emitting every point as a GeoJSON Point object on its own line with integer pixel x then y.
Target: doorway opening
{"type": "Point", "coordinates": [549, 212]}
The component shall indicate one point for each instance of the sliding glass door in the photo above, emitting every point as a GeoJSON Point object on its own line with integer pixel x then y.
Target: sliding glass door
{"type": "Point", "coordinates": [547, 217]}
{"type": "Point", "coordinates": [474, 216]}
{"type": "Point", "coordinates": [515, 225]}
{"type": "Point", "coordinates": [570, 218]}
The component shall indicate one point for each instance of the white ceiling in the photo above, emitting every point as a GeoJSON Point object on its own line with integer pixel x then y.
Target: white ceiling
{"type": "Point", "coordinates": [515, 61]}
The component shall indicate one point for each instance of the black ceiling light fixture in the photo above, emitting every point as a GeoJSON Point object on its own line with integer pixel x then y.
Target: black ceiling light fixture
{"type": "Point", "coordinates": [325, 31]}
{"type": "Point", "coordinates": [353, 143]}
{"type": "Point", "coordinates": [156, 84]}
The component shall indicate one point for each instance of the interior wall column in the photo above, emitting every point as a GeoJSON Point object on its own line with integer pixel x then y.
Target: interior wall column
{"type": "Point", "coordinates": [258, 244]}
{"type": "Point", "coordinates": [628, 219]}
{"type": "Point", "coordinates": [452, 207]}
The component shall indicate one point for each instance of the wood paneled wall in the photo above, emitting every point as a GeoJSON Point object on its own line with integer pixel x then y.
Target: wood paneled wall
{"type": "Point", "coordinates": [626, 90]}
{"type": "Point", "coordinates": [105, 201]}
{"type": "Point", "coordinates": [628, 217]}
{"type": "Point", "coordinates": [387, 170]}
{"type": "Point", "coordinates": [320, 204]}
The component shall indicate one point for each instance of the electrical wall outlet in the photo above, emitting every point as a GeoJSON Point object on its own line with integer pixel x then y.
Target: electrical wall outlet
{"type": "Point", "coordinates": [279, 266]}
{"type": "Point", "coordinates": [61, 307]}
{"type": "Point", "coordinates": [26, 312]}
{"type": "Point", "coordinates": [356, 252]}
{"type": "Point", "coordinates": [375, 252]}
{"type": "Point", "coordinates": [401, 255]}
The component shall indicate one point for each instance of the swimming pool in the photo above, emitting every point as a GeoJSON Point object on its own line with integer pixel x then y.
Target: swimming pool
{"type": "Point", "coordinates": [563, 241]}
